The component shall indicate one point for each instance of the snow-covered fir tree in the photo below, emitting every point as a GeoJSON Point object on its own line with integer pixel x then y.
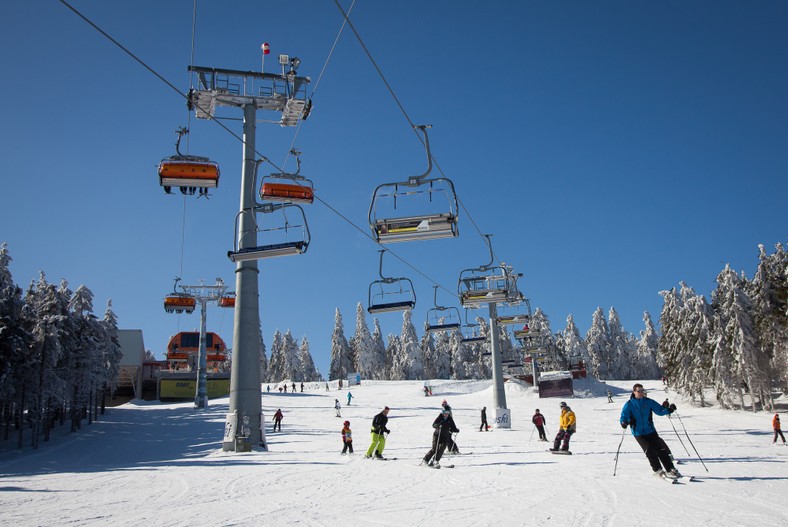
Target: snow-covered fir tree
{"type": "Point", "coordinates": [380, 368]}
{"type": "Point", "coordinates": [277, 365]}
{"type": "Point", "coordinates": [445, 346]}
{"type": "Point", "coordinates": [294, 369]}
{"type": "Point", "coordinates": [427, 346]}
{"type": "Point", "coordinates": [394, 371]}
{"type": "Point", "coordinates": [307, 363]}
{"type": "Point", "coordinates": [598, 345]}
{"type": "Point", "coordinates": [622, 348]}
{"type": "Point", "coordinates": [736, 334]}
{"type": "Point", "coordinates": [646, 351]}
{"type": "Point", "coordinates": [264, 376]}
{"type": "Point", "coordinates": [12, 336]}
{"type": "Point", "coordinates": [369, 362]}
{"type": "Point", "coordinates": [46, 312]}
{"type": "Point", "coordinates": [341, 359]}
{"type": "Point", "coordinates": [768, 292]}
{"type": "Point", "coordinates": [407, 359]}
{"type": "Point", "coordinates": [573, 347]}
{"type": "Point", "coordinates": [554, 358]}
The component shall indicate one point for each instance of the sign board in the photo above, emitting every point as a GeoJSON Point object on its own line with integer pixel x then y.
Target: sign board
{"type": "Point", "coordinates": [353, 378]}
{"type": "Point", "coordinates": [186, 388]}
{"type": "Point", "coordinates": [551, 387]}
{"type": "Point", "coordinates": [503, 418]}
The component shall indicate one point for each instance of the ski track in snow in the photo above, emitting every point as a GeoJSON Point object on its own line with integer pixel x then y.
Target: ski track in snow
{"type": "Point", "coordinates": [161, 464]}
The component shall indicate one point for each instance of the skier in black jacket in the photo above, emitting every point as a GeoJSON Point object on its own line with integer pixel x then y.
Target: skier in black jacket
{"type": "Point", "coordinates": [444, 426]}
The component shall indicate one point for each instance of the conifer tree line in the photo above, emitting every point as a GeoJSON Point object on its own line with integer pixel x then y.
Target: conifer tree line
{"type": "Point", "coordinates": [57, 359]}
{"type": "Point", "coordinates": [736, 345]}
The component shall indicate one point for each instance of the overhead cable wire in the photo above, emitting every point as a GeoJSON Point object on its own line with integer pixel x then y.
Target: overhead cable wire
{"type": "Point", "coordinates": [346, 16]}
{"type": "Point", "coordinates": [319, 78]}
{"type": "Point", "coordinates": [258, 154]}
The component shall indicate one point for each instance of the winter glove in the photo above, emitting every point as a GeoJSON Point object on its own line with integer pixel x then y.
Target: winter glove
{"type": "Point", "coordinates": [624, 425]}
{"type": "Point", "coordinates": [672, 408]}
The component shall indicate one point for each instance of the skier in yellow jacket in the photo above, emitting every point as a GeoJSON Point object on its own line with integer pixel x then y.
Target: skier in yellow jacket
{"type": "Point", "coordinates": [567, 428]}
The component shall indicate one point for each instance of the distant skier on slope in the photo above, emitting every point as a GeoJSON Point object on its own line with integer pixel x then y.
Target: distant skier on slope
{"type": "Point", "coordinates": [444, 426]}
{"type": "Point", "coordinates": [337, 407]}
{"type": "Point", "coordinates": [777, 428]}
{"type": "Point", "coordinates": [539, 421]}
{"type": "Point", "coordinates": [636, 413]}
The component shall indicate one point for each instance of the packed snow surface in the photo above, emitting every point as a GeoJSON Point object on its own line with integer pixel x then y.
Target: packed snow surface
{"type": "Point", "coordinates": [149, 463]}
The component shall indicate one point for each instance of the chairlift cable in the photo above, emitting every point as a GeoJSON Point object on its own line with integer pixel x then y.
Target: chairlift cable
{"type": "Point", "coordinates": [240, 139]}
{"type": "Point", "coordinates": [319, 78]}
{"type": "Point", "coordinates": [399, 104]}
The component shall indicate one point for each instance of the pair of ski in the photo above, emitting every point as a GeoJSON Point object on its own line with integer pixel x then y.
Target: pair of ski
{"type": "Point", "coordinates": [677, 481]}
{"type": "Point", "coordinates": [422, 464]}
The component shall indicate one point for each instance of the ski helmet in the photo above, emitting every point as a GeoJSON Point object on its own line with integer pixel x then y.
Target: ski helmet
{"type": "Point", "coordinates": [562, 405]}
{"type": "Point", "coordinates": [347, 423]}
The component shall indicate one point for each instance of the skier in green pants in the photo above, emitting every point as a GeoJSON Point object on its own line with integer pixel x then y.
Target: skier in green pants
{"type": "Point", "coordinates": [378, 437]}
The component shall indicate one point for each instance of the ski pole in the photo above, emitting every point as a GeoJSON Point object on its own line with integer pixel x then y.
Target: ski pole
{"type": "Point", "coordinates": [690, 441]}
{"type": "Point", "coordinates": [532, 435]}
{"type": "Point", "coordinates": [670, 418]}
{"type": "Point", "coordinates": [615, 466]}
{"type": "Point", "coordinates": [437, 445]}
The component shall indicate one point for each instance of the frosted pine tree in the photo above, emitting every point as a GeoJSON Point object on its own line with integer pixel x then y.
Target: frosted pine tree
{"type": "Point", "coordinates": [684, 351]}
{"type": "Point", "coordinates": [598, 345]}
{"type": "Point", "coordinates": [769, 294]}
{"type": "Point", "coordinates": [308, 364]}
{"type": "Point", "coordinates": [46, 312]}
{"type": "Point", "coordinates": [646, 351]}
{"type": "Point", "coordinates": [112, 354]}
{"type": "Point", "coordinates": [410, 341]}
{"type": "Point", "coordinates": [427, 346]}
{"type": "Point", "coordinates": [620, 348]}
{"type": "Point", "coordinates": [264, 376]}
{"type": "Point", "coordinates": [341, 360]}
{"type": "Point", "coordinates": [554, 357]}
{"type": "Point", "coordinates": [736, 329]}
{"type": "Point", "coordinates": [446, 345]}
{"type": "Point", "coordinates": [368, 361]}
{"type": "Point", "coordinates": [277, 366]}
{"type": "Point", "coordinates": [293, 366]}
{"type": "Point", "coordinates": [378, 368]}
{"type": "Point", "coordinates": [574, 347]}
{"type": "Point", "coordinates": [12, 337]}
{"type": "Point", "coordinates": [395, 360]}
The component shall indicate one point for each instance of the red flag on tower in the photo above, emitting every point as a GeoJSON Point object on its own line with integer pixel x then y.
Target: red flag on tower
{"type": "Point", "coordinates": [266, 49]}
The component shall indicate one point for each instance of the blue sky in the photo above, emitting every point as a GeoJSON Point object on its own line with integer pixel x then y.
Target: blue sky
{"type": "Point", "coordinates": [612, 149]}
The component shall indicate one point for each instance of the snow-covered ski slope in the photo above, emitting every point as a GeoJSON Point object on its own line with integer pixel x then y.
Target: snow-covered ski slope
{"type": "Point", "coordinates": [161, 464]}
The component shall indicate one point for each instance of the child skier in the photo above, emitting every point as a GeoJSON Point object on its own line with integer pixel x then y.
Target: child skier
{"type": "Point", "coordinates": [347, 438]}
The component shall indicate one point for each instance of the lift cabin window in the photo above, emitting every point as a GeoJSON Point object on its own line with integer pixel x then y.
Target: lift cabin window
{"type": "Point", "coordinates": [192, 340]}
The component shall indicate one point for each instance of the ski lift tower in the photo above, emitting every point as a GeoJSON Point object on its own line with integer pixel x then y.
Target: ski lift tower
{"type": "Point", "coordinates": [249, 90]}
{"type": "Point", "coordinates": [204, 294]}
{"type": "Point", "coordinates": [492, 285]}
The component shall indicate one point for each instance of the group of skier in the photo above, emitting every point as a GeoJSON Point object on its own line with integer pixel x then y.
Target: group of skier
{"type": "Point", "coordinates": [636, 414]}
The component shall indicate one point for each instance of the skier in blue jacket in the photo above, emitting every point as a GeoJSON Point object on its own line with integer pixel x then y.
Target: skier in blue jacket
{"type": "Point", "coordinates": [637, 414]}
